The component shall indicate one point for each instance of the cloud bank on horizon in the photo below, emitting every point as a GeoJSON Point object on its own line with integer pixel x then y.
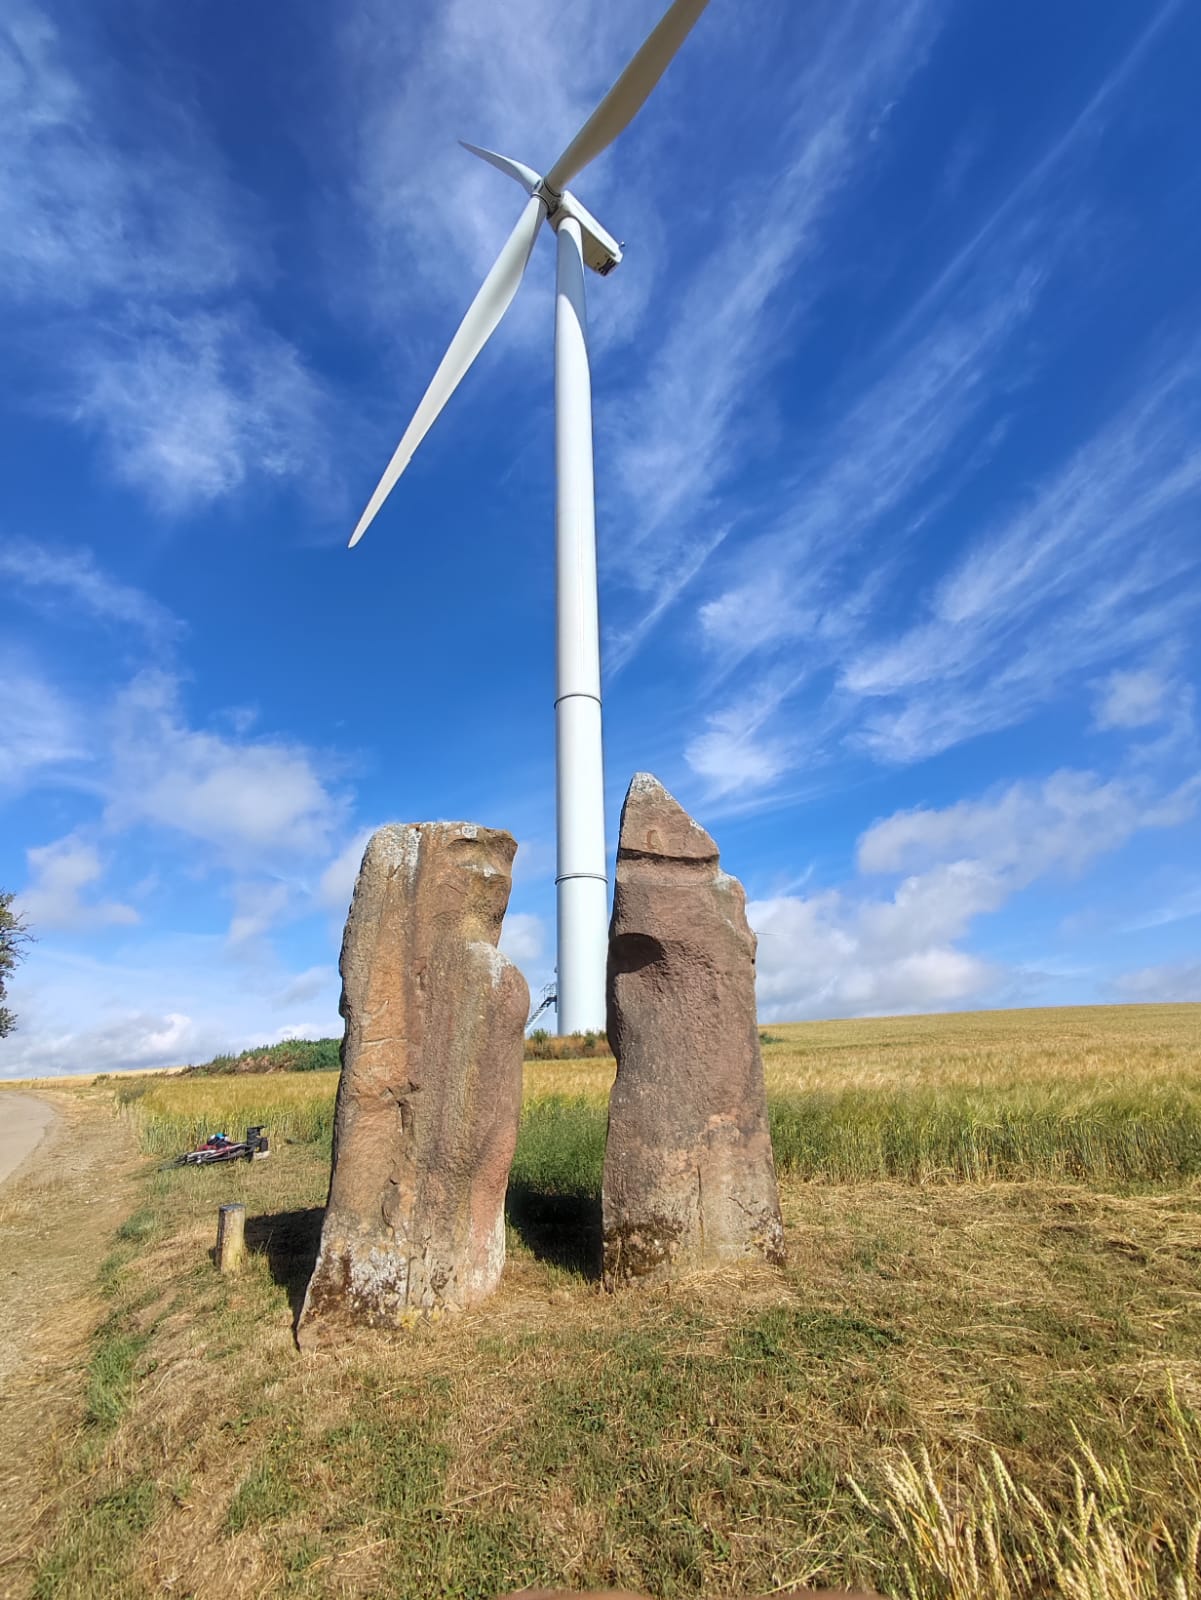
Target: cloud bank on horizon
{"type": "Point", "coordinates": [898, 409]}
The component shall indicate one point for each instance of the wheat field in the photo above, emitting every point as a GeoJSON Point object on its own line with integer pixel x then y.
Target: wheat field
{"type": "Point", "coordinates": [1108, 1093]}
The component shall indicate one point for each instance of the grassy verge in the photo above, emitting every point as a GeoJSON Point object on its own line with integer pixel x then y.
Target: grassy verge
{"type": "Point", "coordinates": [985, 1388]}
{"type": "Point", "coordinates": [835, 1421]}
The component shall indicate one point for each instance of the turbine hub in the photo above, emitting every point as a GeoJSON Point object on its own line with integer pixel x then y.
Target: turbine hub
{"type": "Point", "coordinates": [601, 250]}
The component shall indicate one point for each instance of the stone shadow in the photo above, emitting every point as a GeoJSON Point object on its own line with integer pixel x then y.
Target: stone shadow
{"type": "Point", "coordinates": [290, 1241]}
{"type": "Point", "coordinates": [562, 1229]}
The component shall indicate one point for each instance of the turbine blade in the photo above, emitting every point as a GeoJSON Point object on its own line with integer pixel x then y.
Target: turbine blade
{"type": "Point", "coordinates": [477, 327]}
{"type": "Point", "coordinates": [628, 95]}
{"type": "Point", "coordinates": [525, 176]}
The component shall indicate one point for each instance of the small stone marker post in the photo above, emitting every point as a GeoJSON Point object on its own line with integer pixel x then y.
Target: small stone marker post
{"type": "Point", "coordinates": [231, 1237]}
{"type": "Point", "coordinates": [689, 1178]}
{"type": "Point", "coordinates": [430, 1094]}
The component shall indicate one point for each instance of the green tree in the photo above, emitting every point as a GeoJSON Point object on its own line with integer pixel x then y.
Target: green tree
{"type": "Point", "coordinates": [13, 938]}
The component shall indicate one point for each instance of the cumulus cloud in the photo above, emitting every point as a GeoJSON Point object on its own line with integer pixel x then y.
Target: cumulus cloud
{"type": "Point", "coordinates": [826, 955]}
{"type": "Point", "coordinates": [125, 1041]}
{"type": "Point", "coordinates": [1029, 828]}
{"type": "Point", "coordinates": [851, 952]}
{"type": "Point", "coordinates": [250, 800]}
{"type": "Point", "coordinates": [60, 875]}
{"type": "Point", "coordinates": [156, 1002]}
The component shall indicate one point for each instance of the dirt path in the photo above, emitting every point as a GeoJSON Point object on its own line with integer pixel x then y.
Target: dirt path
{"type": "Point", "coordinates": [57, 1216]}
{"type": "Point", "coordinates": [24, 1120]}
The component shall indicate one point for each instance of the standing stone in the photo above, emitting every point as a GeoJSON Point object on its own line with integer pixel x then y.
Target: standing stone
{"type": "Point", "coordinates": [689, 1177]}
{"type": "Point", "coordinates": [430, 1093]}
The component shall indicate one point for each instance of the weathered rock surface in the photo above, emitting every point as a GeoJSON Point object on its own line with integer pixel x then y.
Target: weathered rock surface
{"type": "Point", "coordinates": [430, 1093]}
{"type": "Point", "coordinates": [689, 1177]}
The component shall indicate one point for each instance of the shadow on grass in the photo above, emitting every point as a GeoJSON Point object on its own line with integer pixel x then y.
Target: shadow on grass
{"type": "Point", "coordinates": [289, 1240]}
{"type": "Point", "coordinates": [562, 1229]}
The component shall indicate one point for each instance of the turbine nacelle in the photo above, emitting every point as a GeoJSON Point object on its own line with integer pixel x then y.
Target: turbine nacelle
{"type": "Point", "coordinates": [602, 252]}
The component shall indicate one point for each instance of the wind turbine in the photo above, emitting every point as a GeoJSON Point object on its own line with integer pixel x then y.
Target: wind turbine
{"type": "Point", "coordinates": [581, 881]}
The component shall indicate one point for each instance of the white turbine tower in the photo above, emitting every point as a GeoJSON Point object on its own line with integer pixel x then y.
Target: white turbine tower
{"type": "Point", "coordinates": [581, 881]}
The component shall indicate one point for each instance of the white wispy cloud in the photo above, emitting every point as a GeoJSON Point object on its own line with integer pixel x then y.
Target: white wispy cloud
{"type": "Point", "coordinates": [1180, 906]}
{"type": "Point", "coordinates": [1089, 571]}
{"type": "Point", "coordinates": [40, 728]}
{"type": "Point", "coordinates": [736, 752]}
{"type": "Point", "coordinates": [800, 599]}
{"type": "Point", "coordinates": [1030, 827]}
{"type": "Point", "coordinates": [1094, 567]}
{"type": "Point", "coordinates": [131, 262]}
{"type": "Point", "coordinates": [337, 881]}
{"type": "Point", "coordinates": [1053, 166]}
{"type": "Point", "coordinates": [258, 907]}
{"type": "Point", "coordinates": [433, 217]}
{"type": "Point", "coordinates": [190, 407]}
{"type": "Point", "coordinates": [704, 395]}
{"type": "Point", "coordinates": [1166, 982]}
{"type": "Point", "coordinates": [307, 986]}
{"type": "Point", "coordinates": [83, 219]}
{"type": "Point", "coordinates": [69, 579]}
{"type": "Point", "coordinates": [1132, 699]}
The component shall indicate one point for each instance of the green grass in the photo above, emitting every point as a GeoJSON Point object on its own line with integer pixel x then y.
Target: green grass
{"type": "Point", "coordinates": [92, 1557]}
{"type": "Point", "coordinates": [560, 1147]}
{"type": "Point", "coordinates": [110, 1380]}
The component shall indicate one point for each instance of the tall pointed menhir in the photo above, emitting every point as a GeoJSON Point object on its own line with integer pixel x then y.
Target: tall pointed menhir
{"type": "Point", "coordinates": [580, 876]}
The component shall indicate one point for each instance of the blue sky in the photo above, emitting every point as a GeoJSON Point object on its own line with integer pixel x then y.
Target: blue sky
{"type": "Point", "coordinates": [898, 434]}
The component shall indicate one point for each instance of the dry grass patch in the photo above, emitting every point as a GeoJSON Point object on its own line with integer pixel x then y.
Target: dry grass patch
{"type": "Point", "coordinates": [695, 1442]}
{"type": "Point", "coordinates": [909, 1403]}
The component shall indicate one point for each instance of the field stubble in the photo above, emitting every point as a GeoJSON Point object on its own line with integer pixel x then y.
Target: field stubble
{"type": "Point", "coordinates": [961, 1385]}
